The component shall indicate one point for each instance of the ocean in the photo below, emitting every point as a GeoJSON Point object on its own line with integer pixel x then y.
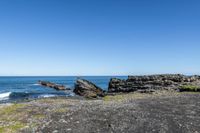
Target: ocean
{"type": "Point", "coordinates": [13, 89]}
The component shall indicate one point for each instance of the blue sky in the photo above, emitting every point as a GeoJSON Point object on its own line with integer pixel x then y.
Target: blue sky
{"type": "Point", "coordinates": [99, 37]}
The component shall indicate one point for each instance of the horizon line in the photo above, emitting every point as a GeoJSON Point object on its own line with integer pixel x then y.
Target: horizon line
{"type": "Point", "coordinates": [95, 75]}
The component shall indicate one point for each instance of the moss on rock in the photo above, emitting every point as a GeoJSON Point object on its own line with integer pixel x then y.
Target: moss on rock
{"type": "Point", "coordinates": [190, 88]}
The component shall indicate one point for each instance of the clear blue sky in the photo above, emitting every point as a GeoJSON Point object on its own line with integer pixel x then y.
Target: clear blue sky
{"type": "Point", "coordinates": [99, 37]}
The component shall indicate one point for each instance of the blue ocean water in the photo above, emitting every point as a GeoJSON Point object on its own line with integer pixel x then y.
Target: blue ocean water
{"type": "Point", "coordinates": [20, 88]}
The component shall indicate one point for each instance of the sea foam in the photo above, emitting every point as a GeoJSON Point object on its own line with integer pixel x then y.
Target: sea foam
{"type": "Point", "coordinates": [46, 96]}
{"type": "Point", "coordinates": [4, 96]}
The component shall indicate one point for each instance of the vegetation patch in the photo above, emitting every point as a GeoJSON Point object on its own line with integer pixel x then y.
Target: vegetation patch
{"type": "Point", "coordinates": [15, 117]}
{"type": "Point", "coordinates": [61, 110]}
{"type": "Point", "coordinates": [189, 88]}
{"type": "Point", "coordinates": [39, 116]}
{"type": "Point", "coordinates": [138, 95]}
{"type": "Point", "coordinates": [10, 109]}
{"type": "Point", "coordinates": [11, 118]}
{"type": "Point", "coordinates": [12, 128]}
{"type": "Point", "coordinates": [125, 97]}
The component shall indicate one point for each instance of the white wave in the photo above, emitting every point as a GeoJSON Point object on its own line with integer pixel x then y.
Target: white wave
{"type": "Point", "coordinates": [71, 95]}
{"type": "Point", "coordinates": [46, 96]}
{"type": "Point", "coordinates": [5, 96]}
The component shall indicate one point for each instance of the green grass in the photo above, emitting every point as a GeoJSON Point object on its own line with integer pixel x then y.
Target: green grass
{"type": "Point", "coordinates": [14, 118]}
{"type": "Point", "coordinates": [10, 109]}
{"type": "Point", "coordinates": [61, 110]}
{"type": "Point", "coordinates": [191, 88]}
{"type": "Point", "coordinates": [10, 116]}
{"type": "Point", "coordinates": [39, 116]}
{"type": "Point", "coordinates": [12, 128]}
{"type": "Point", "coordinates": [22, 116]}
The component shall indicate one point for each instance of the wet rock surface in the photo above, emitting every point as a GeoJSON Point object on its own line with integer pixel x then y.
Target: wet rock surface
{"type": "Point", "coordinates": [152, 82]}
{"type": "Point", "coordinates": [53, 85]}
{"type": "Point", "coordinates": [87, 89]}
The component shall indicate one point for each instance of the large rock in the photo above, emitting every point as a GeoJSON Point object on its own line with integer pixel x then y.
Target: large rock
{"type": "Point", "coordinates": [152, 82]}
{"type": "Point", "coordinates": [87, 89]}
{"type": "Point", "coordinates": [52, 85]}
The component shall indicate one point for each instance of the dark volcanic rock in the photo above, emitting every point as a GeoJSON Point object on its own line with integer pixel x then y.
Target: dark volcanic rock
{"type": "Point", "coordinates": [152, 82]}
{"type": "Point", "coordinates": [87, 89]}
{"type": "Point", "coordinates": [52, 85]}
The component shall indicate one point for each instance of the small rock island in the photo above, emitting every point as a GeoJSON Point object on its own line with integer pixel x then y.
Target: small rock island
{"type": "Point", "coordinates": [52, 85]}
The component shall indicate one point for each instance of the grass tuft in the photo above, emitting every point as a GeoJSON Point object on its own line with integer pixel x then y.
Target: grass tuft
{"type": "Point", "coordinates": [189, 88]}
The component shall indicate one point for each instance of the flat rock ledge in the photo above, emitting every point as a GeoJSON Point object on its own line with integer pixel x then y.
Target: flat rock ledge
{"type": "Point", "coordinates": [53, 85]}
{"type": "Point", "coordinates": [152, 82]}
{"type": "Point", "coordinates": [87, 89]}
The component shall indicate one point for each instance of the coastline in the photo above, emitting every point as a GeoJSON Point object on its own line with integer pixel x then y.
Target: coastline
{"type": "Point", "coordinates": [17, 88]}
{"type": "Point", "coordinates": [157, 111]}
{"type": "Point", "coordinates": [149, 103]}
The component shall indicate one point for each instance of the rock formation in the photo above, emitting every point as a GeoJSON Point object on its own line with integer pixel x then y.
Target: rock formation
{"type": "Point", "coordinates": [87, 89]}
{"type": "Point", "coordinates": [152, 82]}
{"type": "Point", "coordinates": [52, 85]}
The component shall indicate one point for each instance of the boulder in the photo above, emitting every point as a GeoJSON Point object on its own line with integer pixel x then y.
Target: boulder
{"type": "Point", "coordinates": [52, 85]}
{"type": "Point", "coordinates": [152, 82]}
{"type": "Point", "coordinates": [87, 89]}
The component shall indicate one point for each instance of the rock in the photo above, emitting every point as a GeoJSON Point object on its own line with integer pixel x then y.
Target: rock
{"type": "Point", "coordinates": [87, 89]}
{"type": "Point", "coordinates": [52, 85]}
{"type": "Point", "coordinates": [152, 82]}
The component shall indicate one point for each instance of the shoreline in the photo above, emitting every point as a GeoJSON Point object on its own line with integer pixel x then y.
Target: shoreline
{"type": "Point", "coordinates": [103, 115]}
{"type": "Point", "coordinates": [156, 103]}
{"type": "Point", "coordinates": [157, 93]}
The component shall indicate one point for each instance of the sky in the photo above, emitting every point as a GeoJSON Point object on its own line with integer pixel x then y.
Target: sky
{"type": "Point", "coordinates": [99, 37]}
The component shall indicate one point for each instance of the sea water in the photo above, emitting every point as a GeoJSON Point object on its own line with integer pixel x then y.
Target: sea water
{"type": "Point", "coordinates": [21, 88]}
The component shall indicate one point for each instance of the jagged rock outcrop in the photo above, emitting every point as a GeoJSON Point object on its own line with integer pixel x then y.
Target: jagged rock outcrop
{"type": "Point", "coordinates": [52, 85]}
{"type": "Point", "coordinates": [152, 82]}
{"type": "Point", "coordinates": [87, 89]}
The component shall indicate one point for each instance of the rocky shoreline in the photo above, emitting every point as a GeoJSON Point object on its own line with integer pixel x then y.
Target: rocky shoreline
{"type": "Point", "coordinates": [161, 111]}
{"type": "Point", "coordinates": [144, 84]}
{"type": "Point", "coordinates": [152, 82]}
{"type": "Point", "coordinates": [161, 107]}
